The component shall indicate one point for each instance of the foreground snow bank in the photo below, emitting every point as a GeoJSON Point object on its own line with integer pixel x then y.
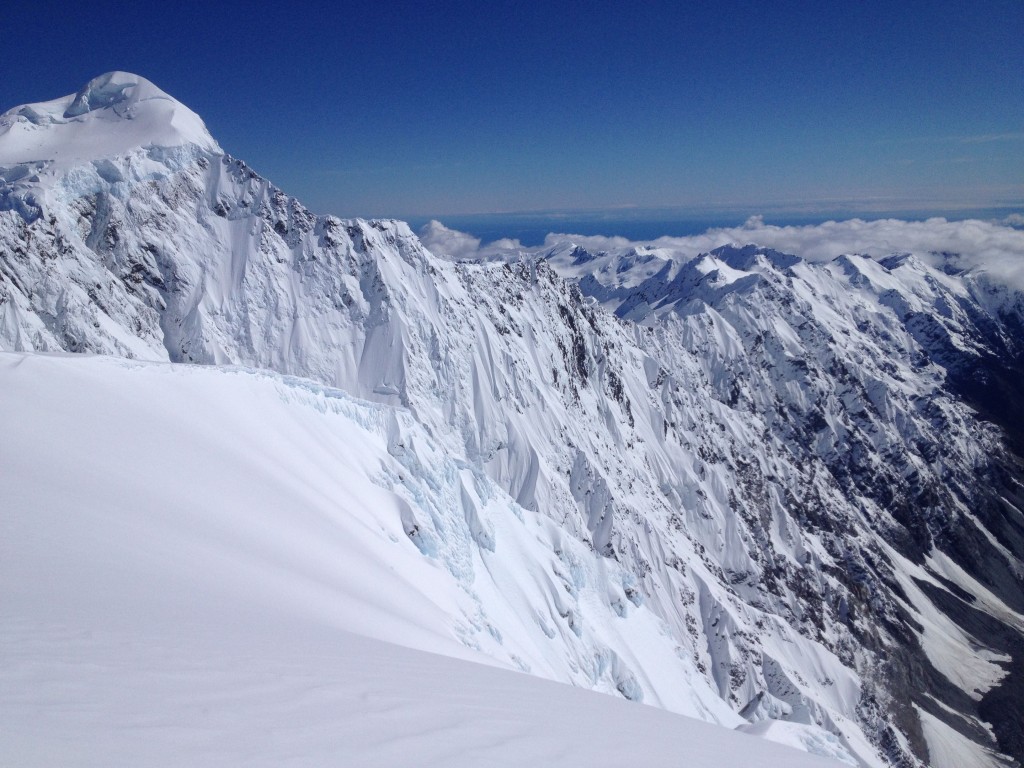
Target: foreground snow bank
{"type": "Point", "coordinates": [281, 694]}
{"type": "Point", "coordinates": [187, 551]}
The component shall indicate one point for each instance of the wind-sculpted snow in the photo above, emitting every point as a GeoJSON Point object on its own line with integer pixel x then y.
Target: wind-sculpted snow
{"type": "Point", "coordinates": [739, 485]}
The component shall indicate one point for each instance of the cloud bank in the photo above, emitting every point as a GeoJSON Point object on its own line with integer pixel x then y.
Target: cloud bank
{"type": "Point", "coordinates": [462, 246]}
{"type": "Point", "coordinates": [443, 241]}
{"type": "Point", "coordinates": [992, 247]}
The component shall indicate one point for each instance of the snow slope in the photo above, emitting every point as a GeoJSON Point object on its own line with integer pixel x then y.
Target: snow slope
{"type": "Point", "coordinates": [322, 699]}
{"type": "Point", "coordinates": [740, 486]}
{"type": "Point", "coordinates": [181, 583]}
{"type": "Point", "coordinates": [113, 114]}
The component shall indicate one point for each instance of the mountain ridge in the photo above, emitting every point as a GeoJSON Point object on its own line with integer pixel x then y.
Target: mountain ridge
{"type": "Point", "coordinates": [765, 450]}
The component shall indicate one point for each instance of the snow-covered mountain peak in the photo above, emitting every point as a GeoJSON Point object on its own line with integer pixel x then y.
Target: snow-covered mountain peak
{"type": "Point", "coordinates": [897, 260]}
{"type": "Point", "coordinates": [113, 90]}
{"type": "Point", "coordinates": [111, 115]}
{"type": "Point", "coordinates": [117, 128]}
{"type": "Point", "coordinates": [748, 257]}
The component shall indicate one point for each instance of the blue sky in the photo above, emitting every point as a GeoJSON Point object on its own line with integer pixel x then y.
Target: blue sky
{"type": "Point", "coordinates": [411, 109]}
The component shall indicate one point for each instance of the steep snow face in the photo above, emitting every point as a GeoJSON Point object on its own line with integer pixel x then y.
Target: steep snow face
{"type": "Point", "coordinates": [864, 368]}
{"type": "Point", "coordinates": [757, 473]}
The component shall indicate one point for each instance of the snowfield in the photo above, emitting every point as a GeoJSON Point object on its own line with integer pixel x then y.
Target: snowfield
{"type": "Point", "coordinates": [186, 555]}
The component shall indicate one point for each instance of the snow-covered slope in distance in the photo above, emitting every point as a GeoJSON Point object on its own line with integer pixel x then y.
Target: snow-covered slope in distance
{"type": "Point", "coordinates": [763, 457]}
{"type": "Point", "coordinates": [181, 582]}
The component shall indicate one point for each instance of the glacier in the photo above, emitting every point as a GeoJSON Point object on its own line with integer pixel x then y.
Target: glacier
{"type": "Point", "coordinates": [775, 493]}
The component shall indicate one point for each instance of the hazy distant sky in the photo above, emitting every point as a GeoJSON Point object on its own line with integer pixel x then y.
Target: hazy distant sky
{"type": "Point", "coordinates": [420, 108]}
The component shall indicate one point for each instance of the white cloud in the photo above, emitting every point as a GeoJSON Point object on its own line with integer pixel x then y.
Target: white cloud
{"type": "Point", "coordinates": [590, 242]}
{"type": "Point", "coordinates": [443, 241]}
{"type": "Point", "coordinates": [987, 138]}
{"type": "Point", "coordinates": [504, 244]}
{"type": "Point", "coordinates": [461, 246]}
